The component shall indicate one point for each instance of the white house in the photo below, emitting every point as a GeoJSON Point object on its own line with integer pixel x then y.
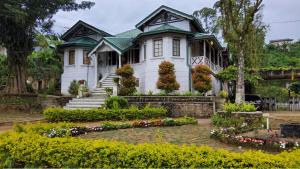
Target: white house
{"type": "Point", "coordinates": [93, 55]}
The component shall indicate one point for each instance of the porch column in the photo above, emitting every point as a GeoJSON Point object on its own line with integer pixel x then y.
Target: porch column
{"type": "Point", "coordinates": [204, 48]}
{"type": "Point", "coordinates": [120, 61]}
{"type": "Point", "coordinates": [96, 70]}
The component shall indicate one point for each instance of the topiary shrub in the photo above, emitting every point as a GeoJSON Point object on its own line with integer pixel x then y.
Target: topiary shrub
{"type": "Point", "coordinates": [128, 81]}
{"type": "Point", "coordinates": [201, 78]}
{"type": "Point", "coordinates": [167, 78]}
{"type": "Point", "coordinates": [74, 87]}
{"type": "Point", "coordinates": [116, 102]}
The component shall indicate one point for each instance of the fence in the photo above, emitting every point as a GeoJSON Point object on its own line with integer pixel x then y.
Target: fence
{"type": "Point", "coordinates": [292, 104]}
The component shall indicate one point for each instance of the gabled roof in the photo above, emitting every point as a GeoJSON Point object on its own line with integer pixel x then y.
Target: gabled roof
{"type": "Point", "coordinates": [165, 28]}
{"type": "Point", "coordinates": [176, 12]}
{"type": "Point", "coordinates": [80, 22]}
{"type": "Point", "coordinates": [201, 36]}
{"type": "Point", "coordinates": [81, 41]}
{"type": "Point", "coordinates": [119, 44]}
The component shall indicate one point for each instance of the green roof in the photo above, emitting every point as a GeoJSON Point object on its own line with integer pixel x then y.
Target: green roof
{"type": "Point", "coordinates": [201, 36]}
{"type": "Point", "coordinates": [165, 28]}
{"type": "Point", "coordinates": [129, 34]}
{"type": "Point", "coordinates": [120, 43]}
{"type": "Point", "coordinates": [163, 7]}
{"type": "Point", "coordinates": [81, 41]}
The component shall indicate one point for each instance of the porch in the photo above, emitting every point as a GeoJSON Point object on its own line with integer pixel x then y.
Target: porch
{"type": "Point", "coordinates": [207, 52]}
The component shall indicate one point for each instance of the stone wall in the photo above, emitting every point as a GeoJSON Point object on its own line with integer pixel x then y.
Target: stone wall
{"type": "Point", "coordinates": [194, 106]}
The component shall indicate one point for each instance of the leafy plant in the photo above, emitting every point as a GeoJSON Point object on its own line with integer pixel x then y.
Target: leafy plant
{"type": "Point", "coordinates": [74, 88]}
{"type": "Point", "coordinates": [223, 94]}
{"type": "Point", "coordinates": [109, 91]}
{"type": "Point", "coordinates": [120, 102]}
{"type": "Point", "coordinates": [128, 81]}
{"type": "Point", "coordinates": [167, 78]}
{"type": "Point", "coordinates": [233, 107]}
{"type": "Point", "coordinates": [295, 87]}
{"type": "Point", "coordinates": [201, 78]}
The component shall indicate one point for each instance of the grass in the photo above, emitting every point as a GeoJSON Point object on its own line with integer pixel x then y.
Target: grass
{"type": "Point", "coordinates": [188, 134]}
{"type": "Point", "coordinates": [19, 117]}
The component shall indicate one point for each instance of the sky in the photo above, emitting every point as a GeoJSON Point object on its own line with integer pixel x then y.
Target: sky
{"type": "Point", "coordinates": [115, 16]}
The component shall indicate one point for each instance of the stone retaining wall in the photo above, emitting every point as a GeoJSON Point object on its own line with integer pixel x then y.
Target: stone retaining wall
{"type": "Point", "coordinates": [194, 106]}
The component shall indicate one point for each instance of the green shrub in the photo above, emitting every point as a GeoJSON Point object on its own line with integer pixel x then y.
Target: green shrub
{"type": "Point", "coordinates": [233, 107]}
{"type": "Point", "coordinates": [226, 121]}
{"type": "Point", "coordinates": [116, 102]}
{"type": "Point", "coordinates": [60, 114]}
{"type": "Point", "coordinates": [74, 87]}
{"type": "Point", "coordinates": [223, 94]}
{"type": "Point", "coordinates": [34, 151]}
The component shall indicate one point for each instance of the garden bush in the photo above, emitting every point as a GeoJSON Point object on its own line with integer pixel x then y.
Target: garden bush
{"type": "Point", "coordinates": [128, 81]}
{"type": "Point", "coordinates": [233, 107]}
{"type": "Point", "coordinates": [74, 88]}
{"type": "Point", "coordinates": [116, 102]}
{"type": "Point", "coordinates": [60, 114]}
{"type": "Point", "coordinates": [167, 78]}
{"type": "Point", "coordinates": [32, 151]}
{"type": "Point", "coordinates": [201, 78]}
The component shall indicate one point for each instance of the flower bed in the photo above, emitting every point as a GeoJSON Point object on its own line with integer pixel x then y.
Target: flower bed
{"type": "Point", "coordinates": [60, 114]}
{"type": "Point", "coordinates": [228, 136]}
{"type": "Point", "coordinates": [70, 129]}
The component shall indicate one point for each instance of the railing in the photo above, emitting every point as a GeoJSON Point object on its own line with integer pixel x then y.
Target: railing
{"type": "Point", "coordinates": [202, 60]}
{"type": "Point", "coordinates": [280, 74]}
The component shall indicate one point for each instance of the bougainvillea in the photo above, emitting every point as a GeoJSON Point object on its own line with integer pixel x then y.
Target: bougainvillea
{"type": "Point", "coordinates": [128, 81]}
{"type": "Point", "coordinates": [201, 78]}
{"type": "Point", "coordinates": [167, 78]}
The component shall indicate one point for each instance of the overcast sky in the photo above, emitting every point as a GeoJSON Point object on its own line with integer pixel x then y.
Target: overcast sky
{"type": "Point", "coordinates": [115, 16]}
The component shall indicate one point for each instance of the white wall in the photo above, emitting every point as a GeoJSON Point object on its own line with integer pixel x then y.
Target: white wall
{"type": "Point", "coordinates": [150, 66]}
{"type": "Point", "coordinates": [79, 71]}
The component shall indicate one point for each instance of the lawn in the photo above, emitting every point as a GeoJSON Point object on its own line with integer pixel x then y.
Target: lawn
{"type": "Point", "coordinates": [188, 134]}
{"type": "Point", "coordinates": [19, 117]}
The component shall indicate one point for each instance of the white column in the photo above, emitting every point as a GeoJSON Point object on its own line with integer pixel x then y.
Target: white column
{"type": "Point", "coordinates": [120, 61]}
{"type": "Point", "coordinates": [96, 69]}
{"type": "Point", "coordinates": [204, 48]}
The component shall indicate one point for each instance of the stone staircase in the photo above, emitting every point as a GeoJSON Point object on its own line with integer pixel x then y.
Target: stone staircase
{"type": "Point", "coordinates": [97, 96]}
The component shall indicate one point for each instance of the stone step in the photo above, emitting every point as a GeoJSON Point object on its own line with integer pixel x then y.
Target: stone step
{"type": "Point", "coordinates": [82, 106]}
{"type": "Point", "coordinates": [72, 108]}
{"type": "Point", "coordinates": [85, 103]}
{"type": "Point", "coordinates": [98, 94]}
{"type": "Point", "coordinates": [88, 100]}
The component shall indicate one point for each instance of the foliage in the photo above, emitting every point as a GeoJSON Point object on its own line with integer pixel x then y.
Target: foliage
{"type": "Point", "coordinates": [223, 94]}
{"type": "Point", "coordinates": [209, 17]}
{"type": "Point", "coordinates": [274, 58]}
{"type": "Point", "coordinates": [128, 81]}
{"type": "Point", "coordinates": [116, 102]}
{"type": "Point", "coordinates": [74, 88]}
{"type": "Point", "coordinates": [35, 151]}
{"type": "Point", "coordinates": [4, 72]}
{"type": "Point", "coordinates": [295, 87]}
{"type": "Point", "coordinates": [60, 114]}
{"type": "Point", "coordinates": [233, 107]}
{"type": "Point", "coordinates": [231, 74]}
{"type": "Point", "coordinates": [281, 94]}
{"type": "Point", "coordinates": [19, 21]}
{"type": "Point", "coordinates": [201, 78]}
{"type": "Point", "coordinates": [225, 121]}
{"type": "Point", "coordinates": [109, 91]}
{"type": "Point", "coordinates": [167, 78]}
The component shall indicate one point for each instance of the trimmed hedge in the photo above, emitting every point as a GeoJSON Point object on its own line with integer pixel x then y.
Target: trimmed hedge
{"type": "Point", "coordinates": [60, 114]}
{"type": "Point", "coordinates": [32, 151]}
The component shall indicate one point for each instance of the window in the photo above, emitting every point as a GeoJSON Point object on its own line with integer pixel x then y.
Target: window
{"type": "Point", "coordinates": [158, 47]}
{"type": "Point", "coordinates": [86, 59]}
{"type": "Point", "coordinates": [176, 47]}
{"type": "Point", "coordinates": [72, 57]}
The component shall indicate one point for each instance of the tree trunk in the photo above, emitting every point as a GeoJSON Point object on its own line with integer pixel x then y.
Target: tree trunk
{"type": "Point", "coordinates": [16, 83]}
{"type": "Point", "coordinates": [240, 83]}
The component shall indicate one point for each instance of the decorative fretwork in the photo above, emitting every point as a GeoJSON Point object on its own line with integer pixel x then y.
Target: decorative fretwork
{"type": "Point", "coordinates": [82, 31]}
{"type": "Point", "coordinates": [165, 17]}
{"type": "Point", "coordinates": [202, 60]}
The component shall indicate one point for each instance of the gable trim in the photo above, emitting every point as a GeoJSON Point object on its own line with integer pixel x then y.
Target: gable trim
{"type": "Point", "coordinates": [103, 41]}
{"type": "Point", "coordinates": [80, 22]}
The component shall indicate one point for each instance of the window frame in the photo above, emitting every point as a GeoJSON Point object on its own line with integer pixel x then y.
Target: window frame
{"type": "Point", "coordinates": [176, 47]}
{"type": "Point", "coordinates": [159, 48]}
{"type": "Point", "coordinates": [69, 56]}
{"type": "Point", "coordinates": [85, 51]}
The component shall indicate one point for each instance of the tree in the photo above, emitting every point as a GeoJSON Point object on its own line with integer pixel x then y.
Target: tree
{"type": "Point", "coordinates": [201, 78]}
{"type": "Point", "coordinates": [209, 17]}
{"type": "Point", "coordinates": [128, 81]}
{"type": "Point", "coordinates": [167, 78]}
{"type": "Point", "coordinates": [19, 21]}
{"type": "Point", "coordinates": [243, 31]}
{"type": "Point", "coordinates": [295, 87]}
